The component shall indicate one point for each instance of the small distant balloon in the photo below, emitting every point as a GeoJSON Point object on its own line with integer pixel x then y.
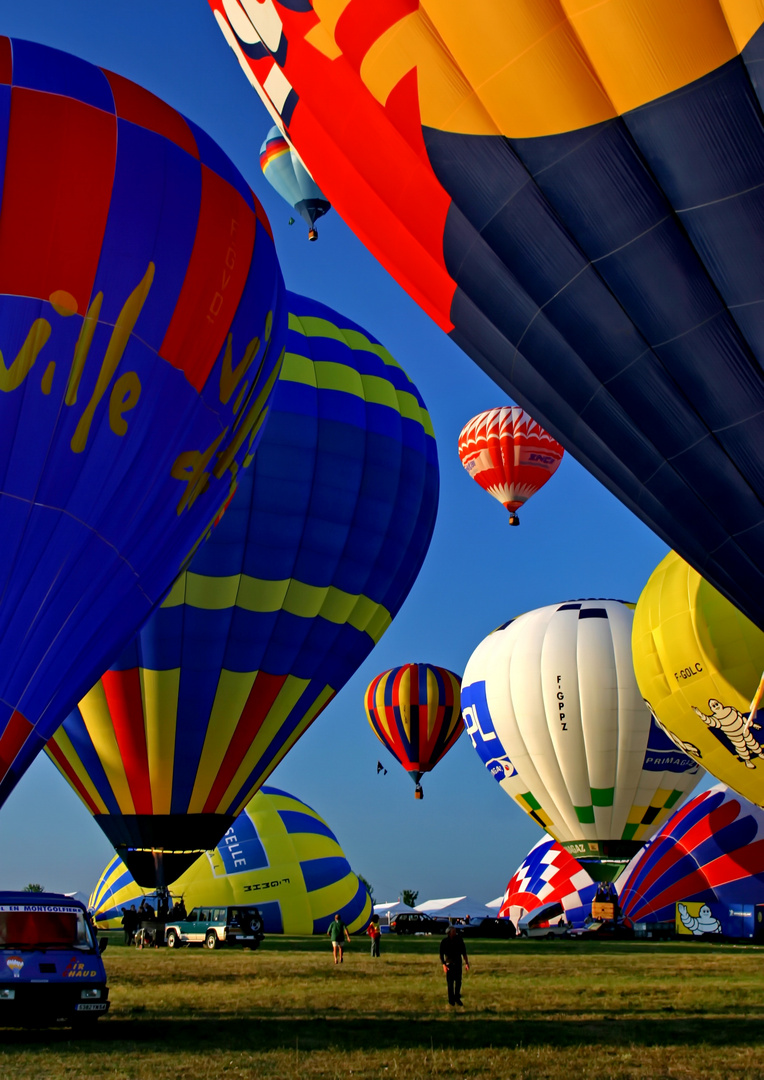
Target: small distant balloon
{"type": "Point", "coordinates": [414, 711]}
{"type": "Point", "coordinates": [283, 169]}
{"type": "Point", "coordinates": [509, 455]}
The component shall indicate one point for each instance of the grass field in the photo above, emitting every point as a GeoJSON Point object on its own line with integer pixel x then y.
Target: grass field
{"type": "Point", "coordinates": [537, 1009]}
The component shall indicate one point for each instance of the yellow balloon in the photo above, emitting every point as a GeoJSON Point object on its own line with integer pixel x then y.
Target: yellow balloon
{"type": "Point", "coordinates": [699, 662]}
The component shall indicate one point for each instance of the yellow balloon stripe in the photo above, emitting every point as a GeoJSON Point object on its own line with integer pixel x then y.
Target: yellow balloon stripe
{"type": "Point", "coordinates": [97, 720]}
{"type": "Point", "coordinates": [314, 846]}
{"type": "Point", "coordinates": [290, 595]}
{"type": "Point", "coordinates": [159, 690]}
{"type": "Point", "coordinates": [312, 326]}
{"type": "Point", "coordinates": [234, 688]}
{"type": "Point", "coordinates": [63, 742]}
{"type": "Point", "coordinates": [529, 68]}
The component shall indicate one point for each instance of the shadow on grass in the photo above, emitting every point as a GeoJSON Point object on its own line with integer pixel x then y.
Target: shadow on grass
{"type": "Point", "coordinates": [458, 1031]}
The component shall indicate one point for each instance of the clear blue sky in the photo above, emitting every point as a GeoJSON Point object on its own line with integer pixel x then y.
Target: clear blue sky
{"type": "Point", "coordinates": [575, 540]}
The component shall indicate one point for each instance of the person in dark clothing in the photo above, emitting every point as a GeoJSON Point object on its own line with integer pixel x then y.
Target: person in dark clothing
{"type": "Point", "coordinates": [452, 951]}
{"type": "Point", "coordinates": [129, 923]}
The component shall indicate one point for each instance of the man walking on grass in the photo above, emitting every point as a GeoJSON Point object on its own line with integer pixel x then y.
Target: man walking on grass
{"type": "Point", "coordinates": [451, 952]}
{"type": "Point", "coordinates": [337, 931]}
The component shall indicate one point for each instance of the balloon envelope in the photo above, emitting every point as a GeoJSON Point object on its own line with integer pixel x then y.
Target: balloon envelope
{"type": "Point", "coordinates": [549, 874]}
{"type": "Point", "coordinates": [573, 193]}
{"type": "Point", "coordinates": [414, 711]}
{"type": "Point", "coordinates": [711, 850]}
{"type": "Point", "coordinates": [509, 455]}
{"type": "Point", "coordinates": [552, 707]}
{"type": "Point", "coordinates": [698, 662]}
{"type": "Point", "coordinates": [141, 326]}
{"type": "Point", "coordinates": [279, 854]}
{"type": "Point", "coordinates": [291, 592]}
{"type": "Point", "coordinates": [288, 176]}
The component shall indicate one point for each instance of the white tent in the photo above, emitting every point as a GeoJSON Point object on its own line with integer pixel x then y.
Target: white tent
{"type": "Point", "coordinates": [388, 910]}
{"type": "Point", "coordinates": [494, 905]}
{"type": "Point", "coordinates": [455, 907]}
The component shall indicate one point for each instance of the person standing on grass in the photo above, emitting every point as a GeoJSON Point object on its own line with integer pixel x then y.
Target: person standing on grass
{"type": "Point", "coordinates": [452, 951]}
{"type": "Point", "coordinates": [374, 933]}
{"type": "Point", "coordinates": [337, 932]}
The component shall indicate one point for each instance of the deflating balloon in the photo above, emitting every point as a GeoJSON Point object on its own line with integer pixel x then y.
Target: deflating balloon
{"type": "Point", "coordinates": [289, 595]}
{"type": "Point", "coordinates": [549, 874]}
{"type": "Point", "coordinates": [279, 855]}
{"type": "Point", "coordinates": [552, 706]}
{"type": "Point", "coordinates": [288, 176]}
{"type": "Point", "coordinates": [573, 192]}
{"type": "Point", "coordinates": [711, 851]}
{"type": "Point", "coordinates": [698, 662]}
{"type": "Point", "coordinates": [414, 711]}
{"type": "Point", "coordinates": [141, 326]}
{"type": "Point", "coordinates": [509, 455]}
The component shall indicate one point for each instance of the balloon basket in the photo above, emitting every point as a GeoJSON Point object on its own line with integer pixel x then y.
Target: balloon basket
{"type": "Point", "coordinates": [514, 519]}
{"type": "Point", "coordinates": [313, 234]}
{"type": "Point", "coordinates": [418, 793]}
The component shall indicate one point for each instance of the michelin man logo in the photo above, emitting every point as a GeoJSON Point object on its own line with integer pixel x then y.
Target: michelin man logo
{"type": "Point", "coordinates": [702, 923]}
{"type": "Point", "coordinates": [479, 725]}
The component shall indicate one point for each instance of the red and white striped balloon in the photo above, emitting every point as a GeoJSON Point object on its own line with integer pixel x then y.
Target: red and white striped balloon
{"type": "Point", "coordinates": [509, 455]}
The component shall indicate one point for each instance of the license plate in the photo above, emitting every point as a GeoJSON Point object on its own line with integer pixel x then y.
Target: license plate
{"type": "Point", "coordinates": [100, 1006]}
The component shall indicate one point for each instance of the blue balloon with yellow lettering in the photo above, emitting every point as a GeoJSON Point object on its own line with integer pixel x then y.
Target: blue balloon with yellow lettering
{"type": "Point", "coordinates": [141, 327]}
{"type": "Point", "coordinates": [279, 854]}
{"type": "Point", "coordinates": [573, 192]}
{"type": "Point", "coordinates": [288, 596]}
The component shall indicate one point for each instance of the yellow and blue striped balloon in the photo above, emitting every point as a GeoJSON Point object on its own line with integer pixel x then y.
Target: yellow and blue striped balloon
{"type": "Point", "coordinates": [296, 584]}
{"type": "Point", "coordinates": [279, 854]}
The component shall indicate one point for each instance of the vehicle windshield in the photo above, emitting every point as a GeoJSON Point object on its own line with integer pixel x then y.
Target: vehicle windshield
{"type": "Point", "coordinates": [35, 926]}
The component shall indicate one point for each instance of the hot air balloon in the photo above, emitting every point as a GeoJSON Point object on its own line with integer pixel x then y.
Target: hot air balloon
{"type": "Point", "coordinates": [414, 711]}
{"type": "Point", "coordinates": [711, 851]}
{"type": "Point", "coordinates": [279, 854]}
{"type": "Point", "coordinates": [288, 176]}
{"type": "Point", "coordinates": [296, 584]}
{"type": "Point", "coordinates": [573, 193]}
{"type": "Point", "coordinates": [549, 875]}
{"type": "Point", "coordinates": [141, 327]}
{"type": "Point", "coordinates": [509, 455]}
{"type": "Point", "coordinates": [552, 707]}
{"type": "Point", "coordinates": [698, 662]}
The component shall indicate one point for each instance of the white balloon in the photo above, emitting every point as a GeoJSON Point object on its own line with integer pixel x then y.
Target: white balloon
{"type": "Point", "coordinates": [551, 704]}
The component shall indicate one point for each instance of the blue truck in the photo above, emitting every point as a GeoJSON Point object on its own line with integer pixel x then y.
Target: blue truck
{"type": "Point", "coordinates": [51, 968]}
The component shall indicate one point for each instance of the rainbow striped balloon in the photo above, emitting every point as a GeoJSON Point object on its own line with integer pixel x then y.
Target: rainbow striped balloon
{"type": "Point", "coordinates": [279, 854]}
{"type": "Point", "coordinates": [414, 711]}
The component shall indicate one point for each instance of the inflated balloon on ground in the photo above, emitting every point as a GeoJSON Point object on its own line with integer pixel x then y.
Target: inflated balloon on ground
{"type": "Point", "coordinates": [698, 662]}
{"type": "Point", "coordinates": [141, 327]}
{"type": "Point", "coordinates": [573, 193]}
{"type": "Point", "coordinates": [552, 707]}
{"type": "Point", "coordinates": [279, 855]}
{"type": "Point", "coordinates": [711, 851]}
{"type": "Point", "coordinates": [304, 573]}
{"type": "Point", "coordinates": [549, 875]}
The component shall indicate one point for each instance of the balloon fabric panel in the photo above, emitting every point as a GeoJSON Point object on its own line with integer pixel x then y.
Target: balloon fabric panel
{"type": "Point", "coordinates": [574, 195]}
{"type": "Point", "coordinates": [711, 850]}
{"type": "Point", "coordinates": [116, 452]}
{"type": "Point", "coordinates": [296, 583]}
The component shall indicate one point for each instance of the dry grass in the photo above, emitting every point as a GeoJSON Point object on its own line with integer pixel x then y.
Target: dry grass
{"type": "Point", "coordinates": [535, 1010]}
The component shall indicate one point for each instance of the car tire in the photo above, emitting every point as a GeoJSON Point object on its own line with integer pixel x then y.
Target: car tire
{"type": "Point", "coordinates": [173, 941]}
{"type": "Point", "coordinates": [211, 940]}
